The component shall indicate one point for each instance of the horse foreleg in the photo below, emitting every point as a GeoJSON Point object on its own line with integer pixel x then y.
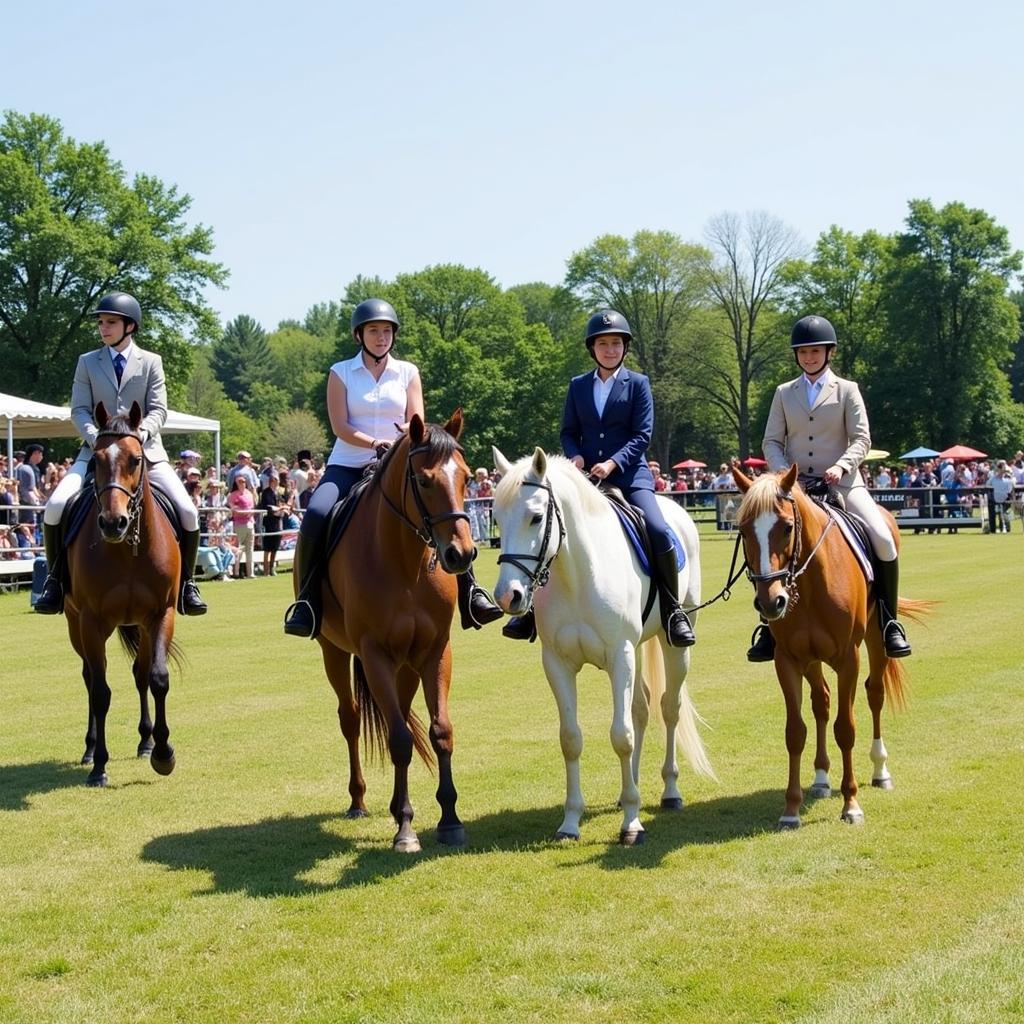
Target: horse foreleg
{"type": "Point", "coordinates": [562, 680]}
{"type": "Point", "coordinates": [791, 682]}
{"type": "Point", "coordinates": [880, 777]}
{"type": "Point", "coordinates": [153, 656]}
{"type": "Point", "coordinates": [675, 662]}
{"type": "Point", "coordinates": [845, 730]}
{"type": "Point", "coordinates": [381, 677]}
{"type": "Point", "coordinates": [622, 671]}
{"type": "Point", "coordinates": [820, 701]}
{"type": "Point", "coordinates": [90, 724]}
{"type": "Point", "coordinates": [145, 747]}
{"type": "Point", "coordinates": [338, 666]}
{"type": "Point", "coordinates": [437, 678]}
{"type": "Point", "coordinates": [94, 654]}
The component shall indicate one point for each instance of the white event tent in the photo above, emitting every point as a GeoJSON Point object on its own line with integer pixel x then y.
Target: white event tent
{"type": "Point", "coordinates": [21, 417]}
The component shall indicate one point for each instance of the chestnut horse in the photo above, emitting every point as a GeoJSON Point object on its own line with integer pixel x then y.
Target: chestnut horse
{"type": "Point", "coordinates": [389, 596]}
{"type": "Point", "coordinates": [125, 567]}
{"type": "Point", "coordinates": [819, 607]}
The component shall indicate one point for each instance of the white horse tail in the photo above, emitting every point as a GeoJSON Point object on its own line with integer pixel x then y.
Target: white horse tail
{"type": "Point", "coordinates": [652, 664]}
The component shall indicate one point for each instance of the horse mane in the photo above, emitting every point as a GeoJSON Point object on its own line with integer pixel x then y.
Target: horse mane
{"type": "Point", "coordinates": [763, 496]}
{"type": "Point", "coordinates": [120, 426]}
{"type": "Point", "coordinates": [559, 468]}
{"type": "Point", "coordinates": [440, 446]}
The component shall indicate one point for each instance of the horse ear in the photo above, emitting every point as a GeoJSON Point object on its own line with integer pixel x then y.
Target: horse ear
{"type": "Point", "coordinates": [540, 461]}
{"type": "Point", "coordinates": [100, 415]}
{"type": "Point", "coordinates": [416, 429]}
{"type": "Point", "coordinates": [789, 478]}
{"type": "Point", "coordinates": [135, 416]}
{"type": "Point", "coordinates": [455, 424]}
{"type": "Point", "coordinates": [501, 464]}
{"type": "Point", "coordinates": [743, 482]}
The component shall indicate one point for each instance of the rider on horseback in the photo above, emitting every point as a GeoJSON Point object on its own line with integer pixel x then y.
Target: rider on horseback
{"type": "Point", "coordinates": [118, 374]}
{"type": "Point", "coordinates": [606, 428]}
{"type": "Point", "coordinates": [367, 397]}
{"type": "Point", "coordinates": [819, 420]}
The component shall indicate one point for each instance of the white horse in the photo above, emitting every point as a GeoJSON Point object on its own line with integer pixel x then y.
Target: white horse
{"type": "Point", "coordinates": [563, 549]}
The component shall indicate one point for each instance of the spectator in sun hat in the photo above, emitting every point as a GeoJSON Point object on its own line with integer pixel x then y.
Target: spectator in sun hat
{"type": "Point", "coordinates": [243, 465]}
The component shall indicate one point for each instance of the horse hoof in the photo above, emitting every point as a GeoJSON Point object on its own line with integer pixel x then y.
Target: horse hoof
{"type": "Point", "coordinates": [567, 837]}
{"type": "Point", "coordinates": [97, 781]}
{"type": "Point", "coordinates": [820, 792]}
{"type": "Point", "coordinates": [882, 783]}
{"type": "Point", "coordinates": [632, 837]}
{"type": "Point", "coordinates": [852, 817]}
{"type": "Point", "coordinates": [356, 812]}
{"type": "Point", "coordinates": [407, 844]}
{"type": "Point", "coordinates": [162, 766]}
{"type": "Point", "coordinates": [672, 803]}
{"type": "Point", "coordinates": [788, 824]}
{"type": "Point", "coordinates": [452, 835]}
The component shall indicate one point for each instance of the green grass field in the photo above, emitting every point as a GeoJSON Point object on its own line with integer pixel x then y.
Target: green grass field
{"type": "Point", "coordinates": [234, 891]}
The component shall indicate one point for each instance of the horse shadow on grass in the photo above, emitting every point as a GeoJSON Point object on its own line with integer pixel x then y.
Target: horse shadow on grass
{"type": "Point", "coordinates": [275, 856]}
{"type": "Point", "coordinates": [20, 782]}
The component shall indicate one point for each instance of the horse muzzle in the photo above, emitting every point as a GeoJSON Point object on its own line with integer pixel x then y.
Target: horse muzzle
{"type": "Point", "coordinates": [454, 557]}
{"type": "Point", "coordinates": [113, 528]}
{"type": "Point", "coordinates": [773, 605]}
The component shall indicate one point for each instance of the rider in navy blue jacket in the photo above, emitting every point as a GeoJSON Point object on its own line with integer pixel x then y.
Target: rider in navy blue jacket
{"type": "Point", "coordinates": [606, 428]}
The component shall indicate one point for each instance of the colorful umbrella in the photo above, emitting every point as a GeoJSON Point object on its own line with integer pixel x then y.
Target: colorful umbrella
{"type": "Point", "coordinates": [874, 454]}
{"type": "Point", "coordinates": [690, 464]}
{"type": "Point", "coordinates": [960, 452]}
{"type": "Point", "coordinates": [753, 460]}
{"type": "Point", "coordinates": [920, 453]}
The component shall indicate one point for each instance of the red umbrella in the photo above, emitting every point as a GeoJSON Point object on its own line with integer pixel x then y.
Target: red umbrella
{"type": "Point", "coordinates": [690, 464]}
{"type": "Point", "coordinates": [753, 460]}
{"type": "Point", "coordinates": [960, 452]}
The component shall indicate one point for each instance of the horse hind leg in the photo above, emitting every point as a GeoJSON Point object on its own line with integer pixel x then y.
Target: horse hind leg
{"type": "Point", "coordinates": [623, 676]}
{"type": "Point", "coordinates": [153, 657]}
{"type": "Point", "coordinates": [880, 777]}
{"type": "Point", "coordinates": [146, 744]}
{"type": "Point", "coordinates": [338, 666]}
{"type": "Point", "coordinates": [821, 788]}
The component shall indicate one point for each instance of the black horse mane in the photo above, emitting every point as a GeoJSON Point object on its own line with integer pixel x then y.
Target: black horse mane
{"type": "Point", "coordinates": [120, 426]}
{"type": "Point", "coordinates": [440, 446]}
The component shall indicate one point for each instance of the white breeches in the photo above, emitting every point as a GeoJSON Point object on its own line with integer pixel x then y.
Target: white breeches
{"type": "Point", "coordinates": [860, 502]}
{"type": "Point", "coordinates": [160, 473]}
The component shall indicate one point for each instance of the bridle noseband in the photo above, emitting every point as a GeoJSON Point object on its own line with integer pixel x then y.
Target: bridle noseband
{"type": "Point", "coordinates": [539, 576]}
{"type": "Point", "coordinates": [425, 531]}
{"type": "Point", "coordinates": [134, 497]}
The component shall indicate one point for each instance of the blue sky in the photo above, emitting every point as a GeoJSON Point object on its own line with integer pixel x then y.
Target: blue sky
{"type": "Point", "coordinates": [325, 140]}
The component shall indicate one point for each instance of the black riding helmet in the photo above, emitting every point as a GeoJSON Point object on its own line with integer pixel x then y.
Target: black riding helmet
{"type": "Point", "coordinates": [813, 330]}
{"type": "Point", "coordinates": [608, 321]}
{"type": "Point", "coordinates": [369, 310]}
{"type": "Point", "coordinates": [123, 305]}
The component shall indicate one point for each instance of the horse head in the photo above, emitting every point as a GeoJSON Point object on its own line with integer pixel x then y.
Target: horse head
{"type": "Point", "coordinates": [769, 525]}
{"type": "Point", "coordinates": [436, 476]}
{"type": "Point", "coordinates": [526, 512]}
{"type": "Point", "coordinates": [119, 471]}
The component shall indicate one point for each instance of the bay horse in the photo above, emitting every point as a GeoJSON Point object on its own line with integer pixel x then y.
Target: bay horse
{"type": "Point", "coordinates": [125, 568]}
{"type": "Point", "coordinates": [564, 552]}
{"type": "Point", "coordinates": [389, 596]}
{"type": "Point", "coordinates": [819, 606]}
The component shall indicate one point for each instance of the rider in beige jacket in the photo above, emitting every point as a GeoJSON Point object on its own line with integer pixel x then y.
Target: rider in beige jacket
{"type": "Point", "coordinates": [819, 422]}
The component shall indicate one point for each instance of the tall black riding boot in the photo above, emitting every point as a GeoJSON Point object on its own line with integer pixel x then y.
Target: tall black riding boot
{"type": "Point", "coordinates": [673, 618]}
{"type": "Point", "coordinates": [189, 600]}
{"type": "Point", "coordinates": [521, 627]}
{"type": "Point", "coordinates": [303, 617]}
{"type": "Point", "coordinates": [475, 605]}
{"type": "Point", "coordinates": [887, 594]}
{"type": "Point", "coordinates": [51, 600]}
{"type": "Point", "coordinates": [762, 644]}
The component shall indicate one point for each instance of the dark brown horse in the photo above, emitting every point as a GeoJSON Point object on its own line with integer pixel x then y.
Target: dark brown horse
{"type": "Point", "coordinates": [819, 606]}
{"type": "Point", "coordinates": [389, 597]}
{"type": "Point", "coordinates": [124, 566]}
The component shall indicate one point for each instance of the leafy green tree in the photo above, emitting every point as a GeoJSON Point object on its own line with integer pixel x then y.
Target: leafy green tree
{"type": "Point", "coordinates": [746, 279]}
{"type": "Point", "coordinates": [300, 362]}
{"type": "Point", "coordinates": [324, 320]}
{"type": "Point", "coordinates": [296, 430]}
{"type": "Point", "coordinates": [657, 281]}
{"type": "Point", "coordinates": [939, 377]}
{"type": "Point", "coordinates": [844, 281]}
{"type": "Point", "coordinates": [241, 358]}
{"type": "Point", "coordinates": [72, 228]}
{"type": "Point", "coordinates": [1017, 366]}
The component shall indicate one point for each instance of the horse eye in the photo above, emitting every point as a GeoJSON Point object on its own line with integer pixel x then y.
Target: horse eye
{"type": "Point", "coordinates": [422, 481]}
{"type": "Point", "coordinates": [537, 519]}
{"type": "Point", "coordinates": [788, 528]}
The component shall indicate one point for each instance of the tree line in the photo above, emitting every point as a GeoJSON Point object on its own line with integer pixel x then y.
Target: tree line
{"type": "Point", "coordinates": [928, 319]}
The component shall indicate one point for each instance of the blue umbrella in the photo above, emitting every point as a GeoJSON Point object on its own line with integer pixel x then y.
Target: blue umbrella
{"type": "Point", "coordinates": [920, 453]}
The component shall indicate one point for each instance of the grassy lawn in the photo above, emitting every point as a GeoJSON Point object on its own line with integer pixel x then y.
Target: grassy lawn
{"type": "Point", "coordinates": [234, 891]}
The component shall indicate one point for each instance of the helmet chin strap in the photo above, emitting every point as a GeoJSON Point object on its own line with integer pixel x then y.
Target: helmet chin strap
{"type": "Point", "coordinates": [625, 352]}
{"type": "Point", "coordinates": [124, 331]}
{"type": "Point", "coordinates": [377, 359]}
{"type": "Point", "coordinates": [829, 349]}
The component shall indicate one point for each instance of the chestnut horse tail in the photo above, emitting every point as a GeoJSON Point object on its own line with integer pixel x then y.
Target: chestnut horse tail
{"type": "Point", "coordinates": [894, 679]}
{"type": "Point", "coordinates": [375, 726]}
{"type": "Point", "coordinates": [652, 665]}
{"type": "Point", "coordinates": [130, 639]}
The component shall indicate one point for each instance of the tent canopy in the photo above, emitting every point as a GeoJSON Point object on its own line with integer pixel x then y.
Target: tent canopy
{"type": "Point", "coordinates": [920, 453]}
{"type": "Point", "coordinates": [961, 451]}
{"type": "Point", "coordinates": [21, 417]}
{"type": "Point", "coordinates": [689, 464]}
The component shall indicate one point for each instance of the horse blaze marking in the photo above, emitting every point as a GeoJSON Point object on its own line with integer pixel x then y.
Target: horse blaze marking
{"type": "Point", "coordinates": [762, 528]}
